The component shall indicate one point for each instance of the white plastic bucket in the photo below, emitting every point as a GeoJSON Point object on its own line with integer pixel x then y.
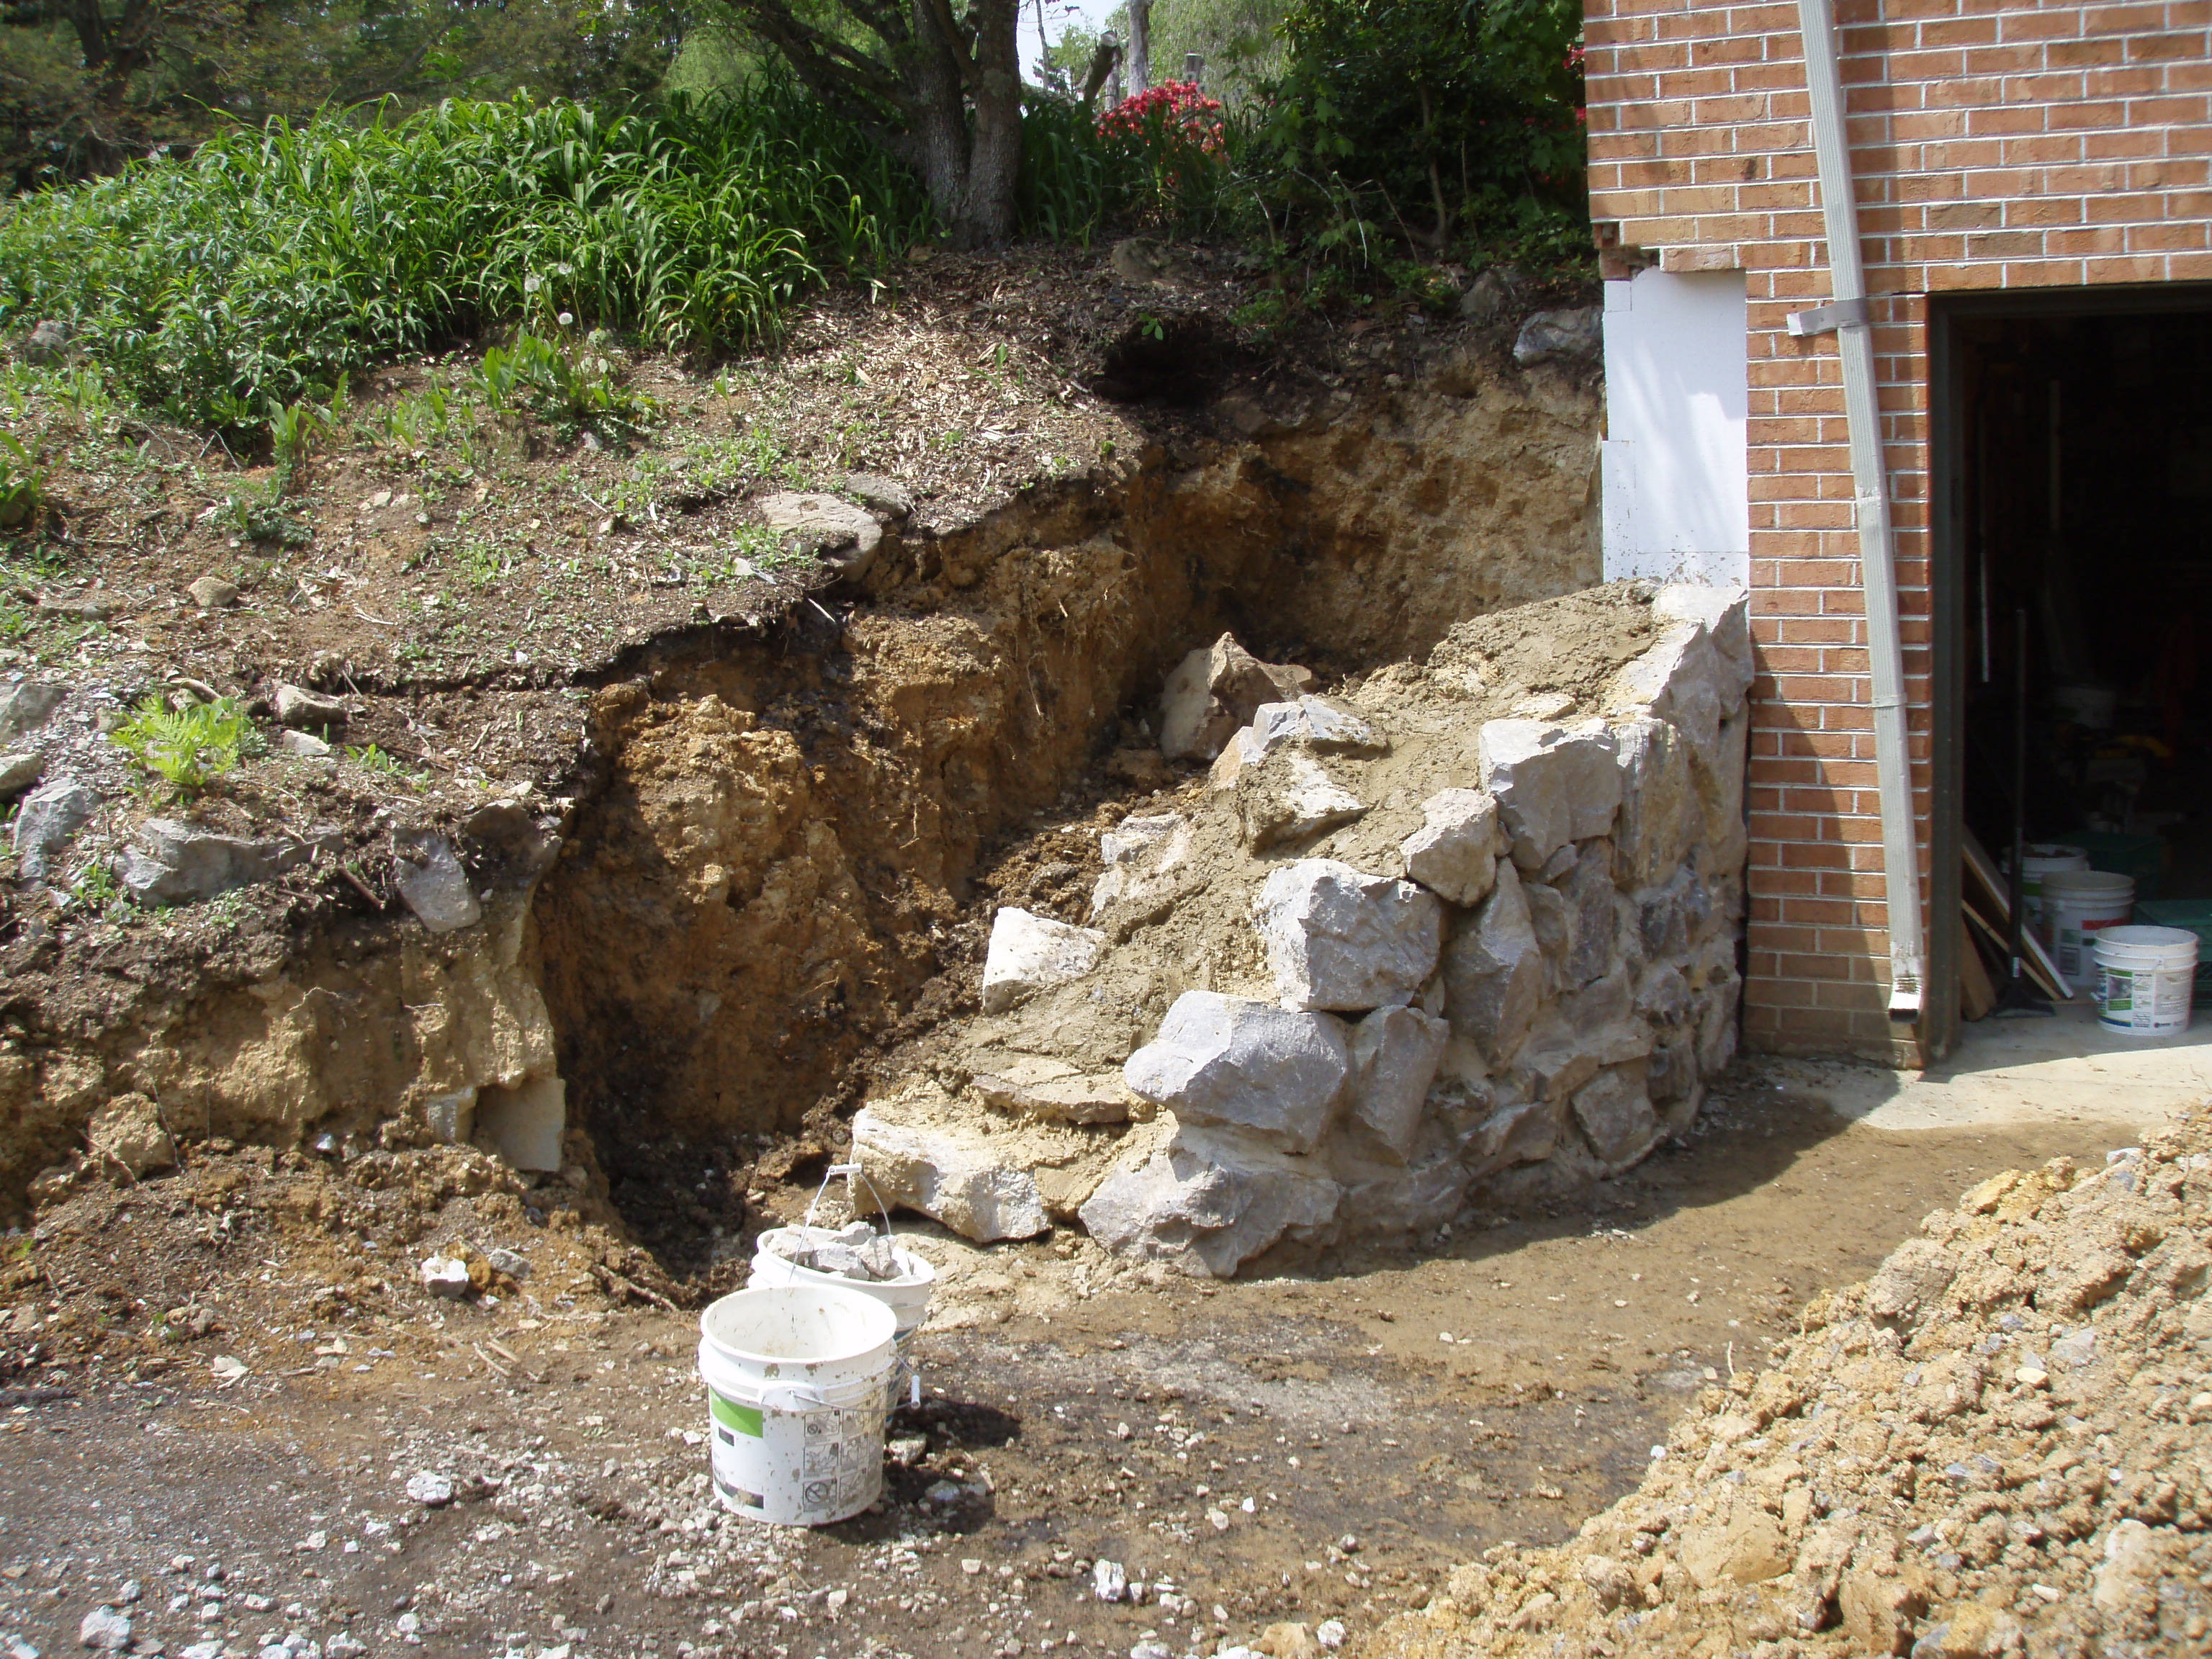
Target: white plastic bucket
{"type": "Point", "coordinates": [2042, 859]}
{"type": "Point", "coordinates": [907, 1295]}
{"type": "Point", "coordinates": [795, 1384]}
{"type": "Point", "coordinates": [2146, 976]}
{"type": "Point", "coordinates": [2079, 904]}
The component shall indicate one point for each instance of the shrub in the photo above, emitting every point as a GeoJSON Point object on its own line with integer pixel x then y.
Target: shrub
{"type": "Point", "coordinates": [1432, 124]}
{"type": "Point", "coordinates": [1172, 141]}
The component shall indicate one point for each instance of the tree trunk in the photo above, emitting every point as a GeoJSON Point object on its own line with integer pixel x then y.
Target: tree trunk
{"type": "Point", "coordinates": [995, 160]}
{"type": "Point", "coordinates": [971, 168]}
{"type": "Point", "coordinates": [1141, 46]}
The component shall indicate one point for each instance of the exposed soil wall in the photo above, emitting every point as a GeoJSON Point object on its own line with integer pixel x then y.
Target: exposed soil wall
{"type": "Point", "coordinates": [759, 862]}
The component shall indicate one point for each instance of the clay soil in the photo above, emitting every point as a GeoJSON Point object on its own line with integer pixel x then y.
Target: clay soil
{"type": "Point", "coordinates": [1286, 1449]}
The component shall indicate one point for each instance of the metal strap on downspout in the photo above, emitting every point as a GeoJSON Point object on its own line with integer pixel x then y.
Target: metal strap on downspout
{"type": "Point", "coordinates": [1847, 314]}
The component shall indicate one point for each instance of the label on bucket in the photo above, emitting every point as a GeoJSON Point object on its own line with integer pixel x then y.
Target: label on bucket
{"type": "Point", "coordinates": [802, 1468]}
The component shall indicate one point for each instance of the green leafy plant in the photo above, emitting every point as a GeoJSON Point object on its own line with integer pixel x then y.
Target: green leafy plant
{"type": "Point", "coordinates": [262, 515]}
{"type": "Point", "coordinates": [295, 429]}
{"type": "Point", "coordinates": [370, 757]}
{"type": "Point", "coordinates": [97, 890]}
{"type": "Point", "coordinates": [274, 258]}
{"type": "Point", "coordinates": [479, 561]}
{"type": "Point", "coordinates": [572, 392]}
{"type": "Point", "coordinates": [22, 483]}
{"type": "Point", "coordinates": [188, 747]}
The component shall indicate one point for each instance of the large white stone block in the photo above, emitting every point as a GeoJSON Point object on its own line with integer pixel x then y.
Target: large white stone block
{"type": "Point", "coordinates": [1209, 1201]}
{"type": "Point", "coordinates": [1554, 784]}
{"type": "Point", "coordinates": [950, 1175]}
{"type": "Point", "coordinates": [1338, 937]}
{"type": "Point", "coordinates": [1395, 1054]}
{"type": "Point", "coordinates": [1495, 973]}
{"type": "Point", "coordinates": [1455, 851]}
{"type": "Point", "coordinates": [1031, 953]}
{"type": "Point", "coordinates": [1221, 1060]}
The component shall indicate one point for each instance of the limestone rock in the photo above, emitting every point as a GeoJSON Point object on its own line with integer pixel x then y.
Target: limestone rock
{"type": "Point", "coordinates": [1487, 298]}
{"type": "Point", "coordinates": [27, 707]}
{"type": "Point", "coordinates": [47, 343]}
{"type": "Point", "coordinates": [1394, 1053]}
{"type": "Point", "coordinates": [1221, 1060]}
{"type": "Point", "coordinates": [844, 536]}
{"type": "Point", "coordinates": [886, 496]}
{"type": "Point", "coordinates": [1215, 690]}
{"type": "Point", "coordinates": [1136, 850]}
{"type": "Point", "coordinates": [1338, 938]}
{"type": "Point", "coordinates": [1662, 816]}
{"type": "Point", "coordinates": [1495, 973]}
{"type": "Point", "coordinates": [299, 707]}
{"type": "Point", "coordinates": [129, 1131]}
{"type": "Point", "coordinates": [213, 594]}
{"type": "Point", "coordinates": [103, 1629]}
{"type": "Point", "coordinates": [1614, 1114]}
{"type": "Point", "coordinates": [1573, 336]}
{"type": "Point", "coordinates": [49, 816]}
{"type": "Point", "coordinates": [1316, 723]}
{"type": "Point", "coordinates": [1679, 679]}
{"type": "Point", "coordinates": [1037, 1086]}
{"type": "Point", "coordinates": [19, 772]}
{"type": "Point", "coordinates": [305, 744]}
{"type": "Point", "coordinates": [1455, 851]}
{"type": "Point", "coordinates": [1289, 796]}
{"type": "Point", "coordinates": [1029, 953]}
{"type": "Point", "coordinates": [949, 1175]}
{"type": "Point", "coordinates": [436, 887]}
{"type": "Point", "coordinates": [1725, 615]}
{"type": "Point", "coordinates": [1590, 917]}
{"type": "Point", "coordinates": [2130, 1566]}
{"type": "Point", "coordinates": [452, 1116]}
{"type": "Point", "coordinates": [1208, 1200]}
{"type": "Point", "coordinates": [525, 1124]}
{"type": "Point", "coordinates": [171, 862]}
{"type": "Point", "coordinates": [1383, 1196]}
{"type": "Point", "coordinates": [1553, 784]}
{"type": "Point", "coordinates": [1516, 1132]}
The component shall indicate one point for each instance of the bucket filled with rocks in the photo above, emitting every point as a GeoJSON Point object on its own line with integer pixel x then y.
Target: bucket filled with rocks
{"type": "Point", "coordinates": [852, 1257]}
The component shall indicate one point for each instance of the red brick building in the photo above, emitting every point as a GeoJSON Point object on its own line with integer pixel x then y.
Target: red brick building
{"type": "Point", "coordinates": [2033, 186]}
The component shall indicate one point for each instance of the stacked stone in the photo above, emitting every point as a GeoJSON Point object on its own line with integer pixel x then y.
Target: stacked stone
{"type": "Point", "coordinates": [1537, 1002]}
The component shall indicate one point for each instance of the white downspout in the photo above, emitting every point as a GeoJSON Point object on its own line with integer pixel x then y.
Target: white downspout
{"type": "Point", "coordinates": [1847, 314]}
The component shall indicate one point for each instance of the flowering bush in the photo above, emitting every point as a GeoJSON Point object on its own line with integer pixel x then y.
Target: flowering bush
{"type": "Point", "coordinates": [1173, 137]}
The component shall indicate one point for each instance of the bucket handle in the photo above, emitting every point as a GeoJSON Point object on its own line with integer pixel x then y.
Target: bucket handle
{"type": "Point", "coordinates": [784, 1396]}
{"type": "Point", "coordinates": [852, 1172]}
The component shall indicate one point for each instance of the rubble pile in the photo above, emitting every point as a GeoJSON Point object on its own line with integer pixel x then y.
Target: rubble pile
{"type": "Point", "coordinates": [1999, 1445]}
{"type": "Point", "coordinates": [1465, 928]}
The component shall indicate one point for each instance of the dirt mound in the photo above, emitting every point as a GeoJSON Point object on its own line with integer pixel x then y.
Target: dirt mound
{"type": "Point", "coordinates": [2000, 1445]}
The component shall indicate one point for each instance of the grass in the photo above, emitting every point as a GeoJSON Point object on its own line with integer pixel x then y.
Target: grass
{"type": "Point", "coordinates": [255, 274]}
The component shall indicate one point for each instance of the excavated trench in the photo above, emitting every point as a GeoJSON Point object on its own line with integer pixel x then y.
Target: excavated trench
{"type": "Point", "coordinates": [776, 880]}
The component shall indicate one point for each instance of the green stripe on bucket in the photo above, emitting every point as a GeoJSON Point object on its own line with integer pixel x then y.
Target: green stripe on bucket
{"type": "Point", "coordinates": [745, 1420]}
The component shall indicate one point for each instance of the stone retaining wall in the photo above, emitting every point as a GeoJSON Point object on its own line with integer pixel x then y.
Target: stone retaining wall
{"type": "Point", "coordinates": [1399, 953]}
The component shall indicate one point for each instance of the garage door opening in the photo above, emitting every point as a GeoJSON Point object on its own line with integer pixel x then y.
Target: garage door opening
{"type": "Point", "coordinates": [2076, 448]}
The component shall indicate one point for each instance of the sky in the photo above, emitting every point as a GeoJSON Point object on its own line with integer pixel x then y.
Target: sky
{"type": "Point", "coordinates": [1057, 16]}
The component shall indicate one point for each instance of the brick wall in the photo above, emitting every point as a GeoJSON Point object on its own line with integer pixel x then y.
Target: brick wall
{"type": "Point", "coordinates": [1995, 146]}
